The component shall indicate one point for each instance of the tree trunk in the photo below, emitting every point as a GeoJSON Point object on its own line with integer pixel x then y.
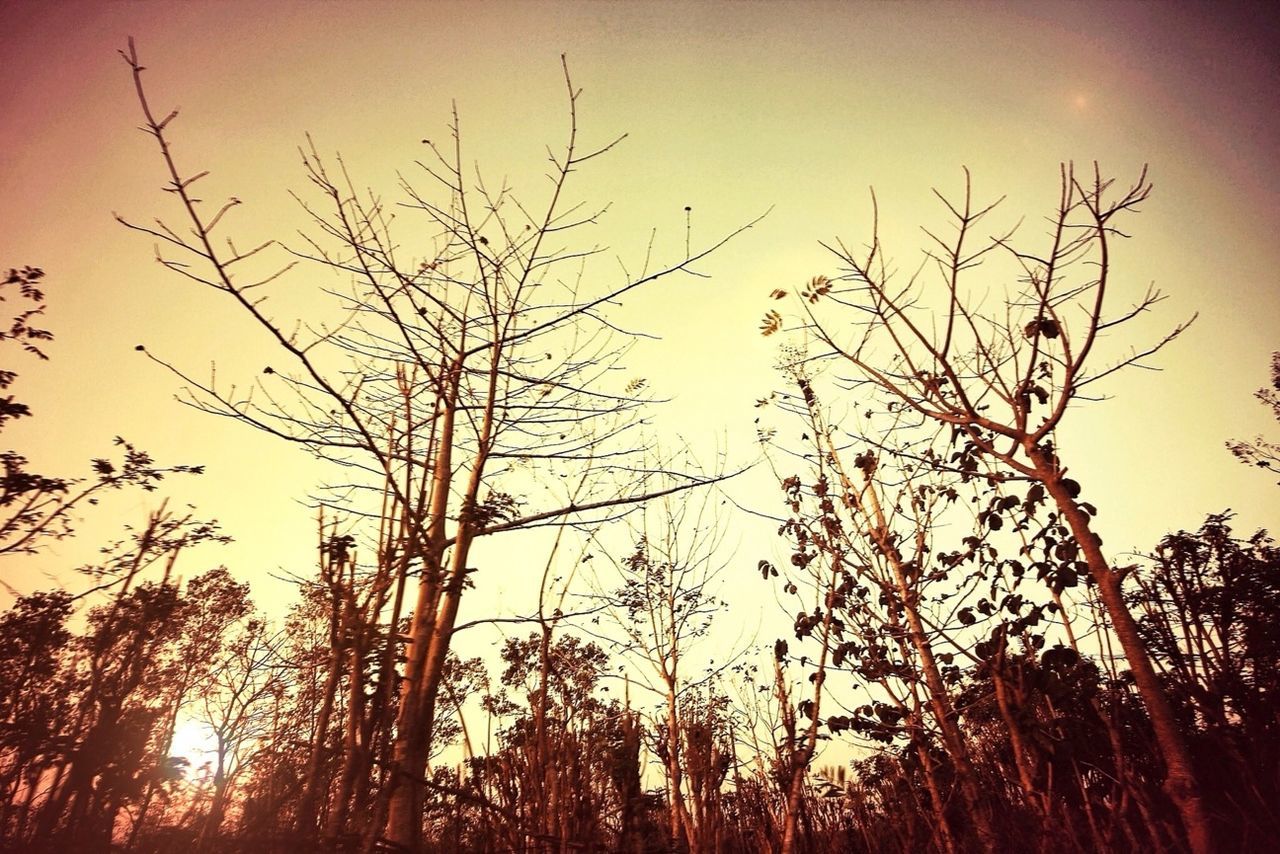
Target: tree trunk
{"type": "Point", "coordinates": [413, 736]}
{"type": "Point", "coordinates": [353, 749]}
{"type": "Point", "coordinates": [307, 808]}
{"type": "Point", "coordinates": [1181, 782]}
{"type": "Point", "coordinates": [939, 697]}
{"type": "Point", "coordinates": [404, 787]}
{"type": "Point", "coordinates": [944, 715]}
{"type": "Point", "coordinates": [681, 825]}
{"type": "Point", "coordinates": [409, 754]}
{"type": "Point", "coordinates": [377, 733]}
{"type": "Point", "coordinates": [936, 800]}
{"type": "Point", "coordinates": [1022, 757]}
{"type": "Point", "coordinates": [218, 808]}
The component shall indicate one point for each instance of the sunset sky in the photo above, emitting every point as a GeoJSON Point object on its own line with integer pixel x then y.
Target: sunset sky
{"type": "Point", "coordinates": [731, 109]}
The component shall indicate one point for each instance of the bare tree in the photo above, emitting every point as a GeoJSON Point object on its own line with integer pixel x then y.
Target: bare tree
{"type": "Point", "coordinates": [1002, 376]}
{"type": "Point", "coordinates": [465, 376]}
{"type": "Point", "coordinates": [664, 607]}
{"type": "Point", "coordinates": [237, 712]}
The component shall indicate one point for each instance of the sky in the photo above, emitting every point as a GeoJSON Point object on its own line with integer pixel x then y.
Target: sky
{"type": "Point", "coordinates": [730, 109]}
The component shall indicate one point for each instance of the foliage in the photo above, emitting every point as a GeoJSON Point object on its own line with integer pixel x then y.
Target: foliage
{"type": "Point", "coordinates": [1260, 452]}
{"type": "Point", "coordinates": [35, 508]}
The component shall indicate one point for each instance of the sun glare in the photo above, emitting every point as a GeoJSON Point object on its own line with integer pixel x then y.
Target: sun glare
{"type": "Point", "coordinates": [193, 741]}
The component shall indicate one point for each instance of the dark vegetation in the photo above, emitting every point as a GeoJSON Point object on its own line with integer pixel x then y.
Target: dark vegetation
{"type": "Point", "coordinates": [1006, 683]}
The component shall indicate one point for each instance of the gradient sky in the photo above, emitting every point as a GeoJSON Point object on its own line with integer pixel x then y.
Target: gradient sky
{"type": "Point", "coordinates": [732, 109]}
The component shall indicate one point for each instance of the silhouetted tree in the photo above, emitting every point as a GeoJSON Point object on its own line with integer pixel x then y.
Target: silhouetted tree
{"type": "Point", "coordinates": [664, 607]}
{"type": "Point", "coordinates": [867, 515]}
{"type": "Point", "coordinates": [474, 365]}
{"type": "Point", "coordinates": [215, 603]}
{"type": "Point", "coordinates": [1208, 605]}
{"type": "Point", "coordinates": [237, 710]}
{"type": "Point", "coordinates": [1002, 376]}
{"type": "Point", "coordinates": [1260, 452]}
{"type": "Point", "coordinates": [35, 507]}
{"type": "Point", "coordinates": [35, 702]}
